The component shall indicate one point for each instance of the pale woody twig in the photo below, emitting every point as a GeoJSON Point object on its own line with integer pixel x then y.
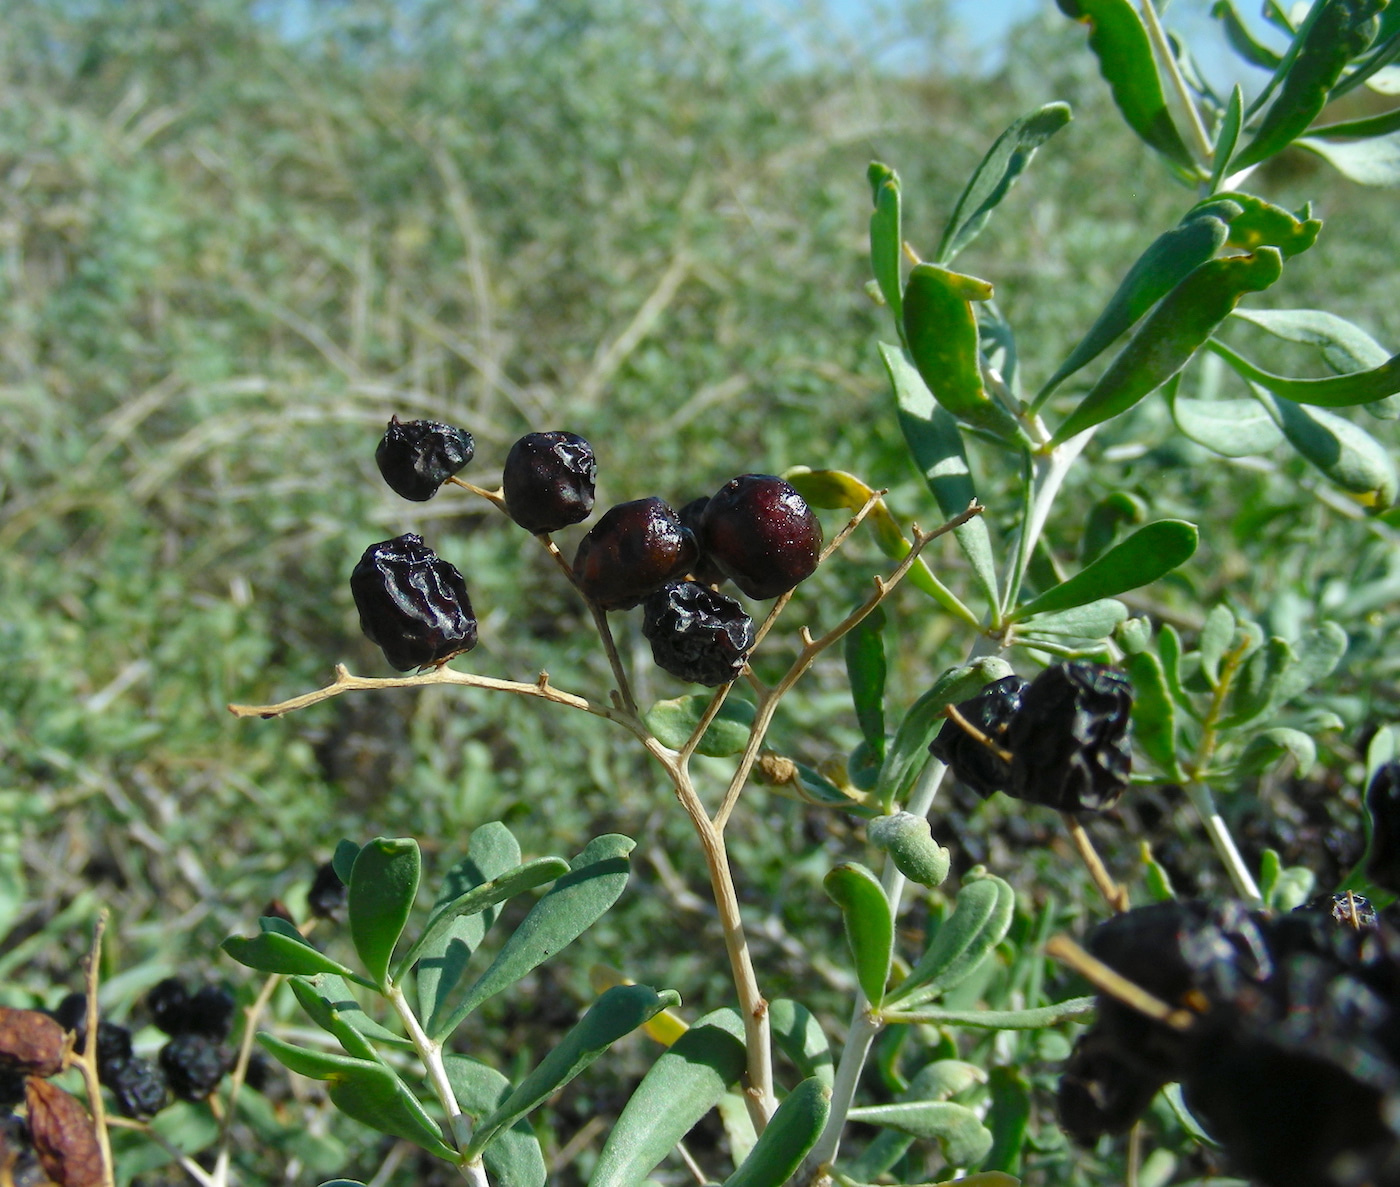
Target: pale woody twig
{"type": "Point", "coordinates": [88, 1062]}
{"type": "Point", "coordinates": [1113, 983]}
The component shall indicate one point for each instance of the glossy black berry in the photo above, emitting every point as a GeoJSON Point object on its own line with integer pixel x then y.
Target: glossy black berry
{"type": "Point", "coordinates": [548, 481]}
{"type": "Point", "coordinates": [193, 1065]}
{"type": "Point", "coordinates": [975, 763]}
{"type": "Point", "coordinates": [138, 1086]}
{"type": "Point", "coordinates": [633, 551]}
{"type": "Point", "coordinates": [414, 605]}
{"type": "Point", "coordinates": [418, 456]}
{"type": "Point", "coordinates": [1069, 741]}
{"type": "Point", "coordinates": [168, 1002]}
{"type": "Point", "coordinates": [326, 898]}
{"type": "Point", "coordinates": [760, 532]}
{"type": "Point", "coordinates": [113, 1041]}
{"type": "Point", "coordinates": [704, 570]}
{"type": "Point", "coordinates": [697, 634]}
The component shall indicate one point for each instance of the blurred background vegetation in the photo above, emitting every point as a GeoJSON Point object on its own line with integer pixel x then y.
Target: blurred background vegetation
{"type": "Point", "coordinates": [231, 246]}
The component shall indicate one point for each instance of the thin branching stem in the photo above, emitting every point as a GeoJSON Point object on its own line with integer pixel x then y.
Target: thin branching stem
{"type": "Point", "coordinates": [1109, 981]}
{"type": "Point", "coordinates": [1114, 894]}
{"type": "Point", "coordinates": [1157, 35]}
{"type": "Point", "coordinates": [88, 1061]}
{"type": "Point", "coordinates": [239, 1074]}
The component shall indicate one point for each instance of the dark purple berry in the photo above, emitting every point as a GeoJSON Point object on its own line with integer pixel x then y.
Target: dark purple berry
{"type": "Point", "coordinates": [113, 1041]}
{"type": "Point", "coordinates": [634, 550]}
{"type": "Point", "coordinates": [418, 456]}
{"type": "Point", "coordinates": [697, 634]}
{"type": "Point", "coordinates": [138, 1086]}
{"type": "Point", "coordinates": [762, 534]}
{"type": "Point", "coordinates": [210, 1012]}
{"type": "Point", "coordinates": [326, 898]}
{"type": "Point", "coordinates": [168, 1002]}
{"type": "Point", "coordinates": [1101, 1093]}
{"type": "Point", "coordinates": [704, 570]}
{"type": "Point", "coordinates": [1347, 909]}
{"type": "Point", "coordinates": [193, 1065]}
{"type": "Point", "coordinates": [1069, 740]}
{"type": "Point", "coordinates": [414, 605]}
{"type": "Point", "coordinates": [548, 481]}
{"type": "Point", "coordinates": [976, 763]}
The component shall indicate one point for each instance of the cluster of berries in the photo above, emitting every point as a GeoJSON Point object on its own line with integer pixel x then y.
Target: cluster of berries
{"type": "Point", "coordinates": [756, 531]}
{"type": "Point", "coordinates": [189, 1066]}
{"type": "Point", "coordinates": [1061, 739]}
{"type": "Point", "coordinates": [1288, 1043]}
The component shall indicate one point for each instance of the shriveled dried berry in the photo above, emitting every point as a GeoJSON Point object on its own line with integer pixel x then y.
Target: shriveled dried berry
{"type": "Point", "coordinates": [1383, 810]}
{"type": "Point", "coordinates": [1069, 741]}
{"type": "Point", "coordinates": [193, 1065]}
{"type": "Point", "coordinates": [138, 1087]}
{"type": "Point", "coordinates": [413, 604]}
{"type": "Point", "coordinates": [704, 570]}
{"type": "Point", "coordinates": [113, 1041]}
{"type": "Point", "coordinates": [168, 1001]}
{"type": "Point", "coordinates": [30, 1041]}
{"type": "Point", "coordinates": [697, 634]}
{"type": "Point", "coordinates": [1099, 1092]}
{"type": "Point", "coordinates": [63, 1135]}
{"type": "Point", "coordinates": [326, 898]}
{"type": "Point", "coordinates": [1346, 908]}
{"type": "Point", "coordinates": [548, 481]}
{"type": "Point", "coordinates": [762, 534]}
{"type": "Point", "coordinates": [417, 456]}
{"type": "Point", "coordinates": [975, 763]}
{"type": "Point", "coordinates": [210, 1011]}
{"type": "Point", "coordinates": [633, 551]}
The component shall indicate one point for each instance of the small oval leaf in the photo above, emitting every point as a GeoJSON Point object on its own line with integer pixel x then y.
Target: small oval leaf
{"type": "Point", "coordinates": [282, 950]}
{"type": "Point", "coordinates": [791, 1132]}
{"type": "Point", "coordinates": [674, 721]}
{"type": "Point", "coordinates": [383, 885]}
{"type": "Point", "coordinates": [869, 925]}
{"type": "Point", "coordinates": [979, 922]}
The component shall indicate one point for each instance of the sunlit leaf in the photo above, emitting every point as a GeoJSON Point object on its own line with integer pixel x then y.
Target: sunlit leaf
{"type": "Point", "coordinates": [869, 923]}
{"type": "Point", "coordinates": [789, 1134]}
{"type": "Point", "coordinates": [674, 721]}
{"type": "Point", "coordinates": [382, 889]}
{"type": "Point", "coordinates": [979, 922]}
{"type": "Point", "coordinates": [887, 237]}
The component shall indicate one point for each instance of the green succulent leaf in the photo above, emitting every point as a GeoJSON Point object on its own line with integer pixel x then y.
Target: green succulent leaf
{"type": "Point", "coordinates": [1152, 551]}
{"type": "Point", "coordinates": [1092, 621]}
{"type": "Point", "coordinates": [1171, 334]}
{"type": "Point", "coordinates": [328, 1001]}
{"type": "Point", "coordinates": [887, 237]}
{"type": "Point", "coordinates": [941, 329]}
{"type": "Point", "coordinates": [1168, 260]}
{"type": "Point", "coordinates": [1005, 161]}
{"type": "Point", "coordinates": [367, 1091]}
{"type": "Point", "coordinates": [684, 1084]}
{"type": "Point", "coordinates": [869, 923]}
{"type": "Point", "coordinates": [596, 879]}
{"type": "Point", "coordinates": [963, 1138]}
{"type": "Point", "coordinates": [864, 647]}
{"type": "Point", "coordinates": [979, 922]}
{"type": "Point", "coordinates": [1345, 453]}
{"type": "Point", "coordinates": [1255, 223]}
{"type": "Point", "coordinates": [442, 958]}
{"type": "Point", "coordinates": [1345, 347]}
{"type": "Point", "coordinates": [674, 721]}
{"type": "Point", "coordinates": [1217, 635]}
{"type": "Point", "coordinates": [1120, 42]}
{"type": "Point", "coordinates": [790, 1133]}
{"type": "Point", "coordinates": [1268, 748]}
{"type": "Point", "coordinates": [1008, 1118]}
{"type": "Point", "coordinates": [382, 888]}
{"type": "Point", "coordinates": [1241, 40]}
{"type": "Point", "coordinates": [1154, 712]}
{"type": "Point", "coordinates": [513, 1157]}
{"type": "Point", "coordinates": [343, 859]}
{"type": "Point", "coordinates": [1335, 32]}
{"type": "Point", "coordinates": [618, 1012]}
{"type": "Point", "coordinates": [800, 1037]}
{"type": "Point", "coordinates": [1228, 136]}
{"type": "Point", "coordinates": [909, 750]}
{"type": "Point", "coordinates": [481, 898]}
{"type": "Point", "coordinates": [936, 444]}
{"type": "Point", "coordinates": [1231, 428]}
{"type": "Point", "coordinates": [908, 840]}
{"type": "Point", "coordinates": [1337, 391]}
{"type": "Point", "coordinates": [280, 948]}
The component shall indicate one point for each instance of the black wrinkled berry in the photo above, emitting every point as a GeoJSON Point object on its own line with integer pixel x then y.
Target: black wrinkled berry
{"type": "Point", "coordinates": [193, 1065]}
{"type": "Point", "coordinates": [207, 1011]}
{"type": "Point", "coordinates": [548, 481]}
{"type": "Point", "coordinates": [168, 1001]}
{"type": "Point", "coordinates": [326, 898]}
{"type": "Point", "coordinates": [1345, 908]}
{"type": "Point", "coordinates": [1069, 740]}
{"type": "Point", "coordinates": [633, 551]}
{"type": "Point", "coordinates": [418, 456]}
{"type": "Point", "coordinates": [113, 1041]}
{"type": "Point", "coordinates": [1383, 811]}
{"type": "Point", "coordinates": [761, 533]}
{"type": "Point", "coordinates": [1100, 1092]}
{"type": "Point", "coordinates": [697, 634]}
{"type": "Point", "coordinates": [973, 762]}
{"type": "Point", "coordinates": [138, 1087]}
{"type": "Point", "coordinates": [414, 605]}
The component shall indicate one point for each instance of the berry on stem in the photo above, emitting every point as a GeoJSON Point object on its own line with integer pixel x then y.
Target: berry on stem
{"type": "Point", "coordinates": [411, 603]}
{"type": "Point", "coordinates": [760, 532]}
{"type": "Point", "coordinates": [548, 481]}
{"type": "Point", "coordinates": [697, 634]}
{"type": "Point", "coordinates": [634, 550]}
{"type": "Point", "coordinates": [416, 457]}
